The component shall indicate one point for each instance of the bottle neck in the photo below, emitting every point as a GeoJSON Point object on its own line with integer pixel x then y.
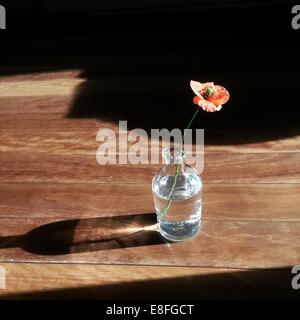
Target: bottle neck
{"type": "Point", "coordinates": [174, 156]}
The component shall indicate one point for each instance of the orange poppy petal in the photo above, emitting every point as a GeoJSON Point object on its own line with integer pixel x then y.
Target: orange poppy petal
{"type": "Point", "coordinates": [220, 97]}
{"type": "Point", "coordinates": [207, 106]}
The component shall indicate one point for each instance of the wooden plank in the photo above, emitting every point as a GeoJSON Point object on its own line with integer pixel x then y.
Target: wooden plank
{"type": "Point", "coordinates": [133, 239]}
{"type": "Point", "coordinates": [252, 168]}
{"type": "Point", "coordinates": [282, 139]}
{"type": "Point", "coordinates": [41, 75]}
{"type": "Point", "coordinates": [219, 168]}
{"type": "Point", "coordinates": [101, 86]}
{"type": "Point", "coordinates": [65, 139]}
{"type": "Point", "coordinates": [52, 87]}
{"type": "Point", "coordinates": [51, 141]}
{"type": "Point", "coordinates": [73, 200]}
{"type": "Point", "coordinates": [49, 107]}
{"type": "Point", "coordinates": [28, 132]}
{"type": "Point", "coordinates": [13, 123]}
{"type": "Point", "coordinates": [68, 86]}
{"type": "Point", "coordinates": [17, 75]}
{"type": "Point", "coordinates": [58, 281]}
{"type": "Point", "coordinates": [260, 202]}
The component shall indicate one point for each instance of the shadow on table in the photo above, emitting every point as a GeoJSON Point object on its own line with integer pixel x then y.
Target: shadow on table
{"type": "Point", "coordinates": [245, 119]}
{"type": "Point", "coordinates": [255, 284]}
{"type": "Point", "coordinates": [141, 74]}
{"type": "Point", "coordinates": [88, 235]}
{"type": "Point", "coordinates": [147, 82]}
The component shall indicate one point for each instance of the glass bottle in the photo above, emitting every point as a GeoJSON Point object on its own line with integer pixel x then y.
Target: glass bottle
{"type": "Point", "coordinates": [177, 191]}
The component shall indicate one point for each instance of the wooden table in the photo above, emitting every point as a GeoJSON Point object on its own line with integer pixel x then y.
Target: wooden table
{"type": "Point", "coordinates": [72, 228]}
{"type": "Point", "coordinates": [59, 209]}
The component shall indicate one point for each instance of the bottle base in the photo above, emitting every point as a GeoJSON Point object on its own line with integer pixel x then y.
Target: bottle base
{"type": "Point", "coordinates": [178, 232]}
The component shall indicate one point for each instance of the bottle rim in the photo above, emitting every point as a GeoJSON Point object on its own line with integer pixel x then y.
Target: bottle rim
{"type": "Point", "coordinates": [173, 155]}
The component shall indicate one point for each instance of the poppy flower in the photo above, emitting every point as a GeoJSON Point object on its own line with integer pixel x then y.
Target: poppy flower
{"type": "Point", "coordinates": [209, 97]}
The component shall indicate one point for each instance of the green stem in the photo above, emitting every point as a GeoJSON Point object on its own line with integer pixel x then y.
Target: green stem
{"type": "Point", "coordinates": [167, 207]}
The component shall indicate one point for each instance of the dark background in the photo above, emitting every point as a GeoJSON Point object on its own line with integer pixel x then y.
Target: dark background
{"type": "Point", "coordinates": [148, 51]}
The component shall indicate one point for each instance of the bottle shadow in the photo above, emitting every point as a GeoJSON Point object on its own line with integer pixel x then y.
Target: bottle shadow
{"type": "Point", "coordinates": [88, 235]}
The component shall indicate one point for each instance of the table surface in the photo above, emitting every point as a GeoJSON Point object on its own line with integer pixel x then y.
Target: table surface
{"type": "Point", "coordinates": [70, 227]}
{"type": "Point", "coordinates": [59, 206]}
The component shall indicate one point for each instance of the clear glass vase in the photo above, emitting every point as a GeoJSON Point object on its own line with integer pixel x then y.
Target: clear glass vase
{"type": "Point", "coordinates": [177, 191]}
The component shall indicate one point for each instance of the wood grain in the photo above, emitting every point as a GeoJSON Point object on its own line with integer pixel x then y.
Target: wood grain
{"type": "Point", "coordinates": [17, 75]}
{"type": "Point", "coordinates": [133, 239]}
{"type": "Point", "coordinates": [42, 124]}
{"type": "Point", "coordinates": [68, 86]}
{"type": "Point", "coordinates": [54, 87]}
{"type": "Point", "coordinates": [219, 168]}
{"type": "Point", "coordinates": [58, 281]}
{"type": "Point", "coordinates": [57, 73]}
{"type": "Point", "coordinates": [248, 202]}
{"type": "Point", "coordinates": [41, 107]}
{"type": "Point", "coordinates": [79, 137]}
